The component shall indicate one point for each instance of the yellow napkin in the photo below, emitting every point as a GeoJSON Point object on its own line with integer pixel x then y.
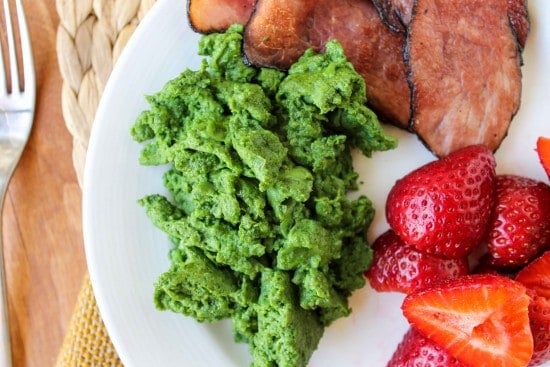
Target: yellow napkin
{"type": "Point", "coordinates": [87, 342]}
{"type": "Point", "coordinates": [90, 37]}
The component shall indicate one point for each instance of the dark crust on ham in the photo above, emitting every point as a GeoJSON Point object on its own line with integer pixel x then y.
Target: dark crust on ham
{"type": "Point", "coordinates": [464, 71]}
{"type": "Point", "coordinates": [519, 18]}
{"type": "Point", "coordinates": [396, 14]}
{"type": "Point", "coordinates": [279, 31]}
{"type": "Point", "coordinates": [207, 16]}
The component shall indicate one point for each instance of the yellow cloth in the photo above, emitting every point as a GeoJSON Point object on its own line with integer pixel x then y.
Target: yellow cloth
{"type": "Point", "coordinates": [87, 343]}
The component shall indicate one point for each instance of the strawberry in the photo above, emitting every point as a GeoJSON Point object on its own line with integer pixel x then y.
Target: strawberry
{"type": "Point", "coordinates": [400, 267]}
{"type": "Point", "coordinates": [539, 320]}
{"type": "Point", "coordinates": [543, 151]}
{"type": "Point", "coordinates": [444, 207]}
{"type": "Point", "coordinates": [536, 275]}
{"type": "Point", "coordinates": [415, 350]}
{"type": "Point", "coordinates": [519, 227]}
{"type": "Point", "coordinates": [480, 317]}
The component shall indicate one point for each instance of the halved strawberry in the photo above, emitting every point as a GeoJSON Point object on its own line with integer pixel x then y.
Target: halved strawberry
{"type": "Point", "coordinates": [536, 275]}
{"type": "Point", "coordinates": [480, 317]}
{"type": "Point", "coordinates": [520, 225]}
{"type": "Point", "coordinates": [400, 267]}
{"type": "Point", "coordinates": [543, 150]}
{"type": "Point", "coordinates": [444, 206]}
{"type": "Point", "coordinates": [415, 350]}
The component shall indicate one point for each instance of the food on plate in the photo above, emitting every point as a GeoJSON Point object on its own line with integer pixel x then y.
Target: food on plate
{"type": "Point", "coordinates": [257, 210]}
{"type": "Point", "coordinates": [399, 267]}
{"type": "Point", "coordinates": [536, 277]}
{"type": "Point", "coordinates": [444, 206]}
{"type": "Point", "coordinates": [465, 314]}
{"type": "Point", "coordinates": [464, 71]}
{"type": "Point", "coordinates": [280, 31]}
{"type": "Point", "coordinates": [207, 16]}
{"type": "Point", "coordinates": [543, 151]}
{"type": "Point", "coordinates": [475, 318]}
{"type": "Point", "coordinates": [519, 228]}
{"type": "Point", "coordinates": [415, 350]}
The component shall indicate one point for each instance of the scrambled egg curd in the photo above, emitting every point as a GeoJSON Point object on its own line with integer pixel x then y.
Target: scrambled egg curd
{"type": "Point", "coordinates": [263, 230]}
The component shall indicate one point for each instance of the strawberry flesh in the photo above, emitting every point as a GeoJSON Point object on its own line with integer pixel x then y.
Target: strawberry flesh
{"type": "Point", "coordinates": [543, 151]}
{"type": "Point", "coordinates": [536, 275]}
{"type": "Point", "coordinates": [402, 268]}
{"type": "Point", "coordinates": [444, 207]}
{"type": "Point", "coordinates": [480, 317]}
{"type": "Point", "coordinates": [415, 350]}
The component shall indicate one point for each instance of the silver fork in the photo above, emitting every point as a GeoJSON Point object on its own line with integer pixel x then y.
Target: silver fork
{"type": "Point", "coordinates": [17, 104]}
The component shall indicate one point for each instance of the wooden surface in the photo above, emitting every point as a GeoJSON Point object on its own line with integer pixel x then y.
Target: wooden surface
{"type": "Point", "coordinates": [42, 232]}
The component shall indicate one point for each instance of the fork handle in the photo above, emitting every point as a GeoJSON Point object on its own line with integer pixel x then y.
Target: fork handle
{"type": "Point", "coordinates": [5, 339]}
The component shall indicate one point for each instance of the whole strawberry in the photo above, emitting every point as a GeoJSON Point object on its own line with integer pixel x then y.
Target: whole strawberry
{"type": "Point", "coordinates": [415, 350]}
{"type": "Point", "coordinates": [520, 224]}
{"type": "Point", "coordinates": [444, 207]}
{"type": "Point", "coordinates": [539, 320]}
{"type": "Point", "coordinates": [399, 267]}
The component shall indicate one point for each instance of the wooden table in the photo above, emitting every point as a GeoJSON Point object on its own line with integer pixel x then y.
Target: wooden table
{"type": "Point", "coordinates": [42, 230]}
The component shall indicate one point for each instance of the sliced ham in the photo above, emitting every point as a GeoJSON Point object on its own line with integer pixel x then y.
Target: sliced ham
{"type": "Point", "coordinates": [395, 13]}
{"type": "Point", "coordinates": [465, 73]}
{"type": "Point", "coordinates": [279, 31]}
{"type": "Point", "coordinates": [206, 16]}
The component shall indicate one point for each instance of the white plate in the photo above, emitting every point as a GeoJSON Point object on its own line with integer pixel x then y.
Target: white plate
{"type": "Point", "coordinates": [125, 253]}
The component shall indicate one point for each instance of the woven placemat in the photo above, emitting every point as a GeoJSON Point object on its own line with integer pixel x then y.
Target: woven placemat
{"type": "Point", "coordinates": [90, 37]}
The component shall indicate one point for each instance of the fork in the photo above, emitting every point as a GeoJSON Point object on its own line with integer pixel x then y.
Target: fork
{"type": "Point", "coordinates": [17, 104]}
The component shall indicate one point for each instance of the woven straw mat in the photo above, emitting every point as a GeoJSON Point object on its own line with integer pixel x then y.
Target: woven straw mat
{"type": "Point", "coordinates": [90, 37]}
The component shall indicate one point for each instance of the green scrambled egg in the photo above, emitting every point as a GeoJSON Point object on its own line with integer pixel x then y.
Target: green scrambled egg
{"type": "Point", "coordinates": [262, 228]}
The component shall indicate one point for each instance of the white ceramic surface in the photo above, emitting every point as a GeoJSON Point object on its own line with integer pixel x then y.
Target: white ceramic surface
{"type": "Point", "coordinates": [125, 253]}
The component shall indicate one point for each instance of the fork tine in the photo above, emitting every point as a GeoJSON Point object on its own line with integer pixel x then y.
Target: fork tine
{"type": "Point", "coordinates": [14, 69]}
{"type": "Point", "coordinates": [3, 81]}
{"type": "Point", "coordinates": [26, 50]}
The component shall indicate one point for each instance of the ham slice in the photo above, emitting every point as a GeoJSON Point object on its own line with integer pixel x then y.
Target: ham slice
{"type": "Point", "coordinates": [206, 16]}
{"type": "Point", "coordinates": [465, 73]}
{"type": "Point", "coordinates": [279, 31]}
